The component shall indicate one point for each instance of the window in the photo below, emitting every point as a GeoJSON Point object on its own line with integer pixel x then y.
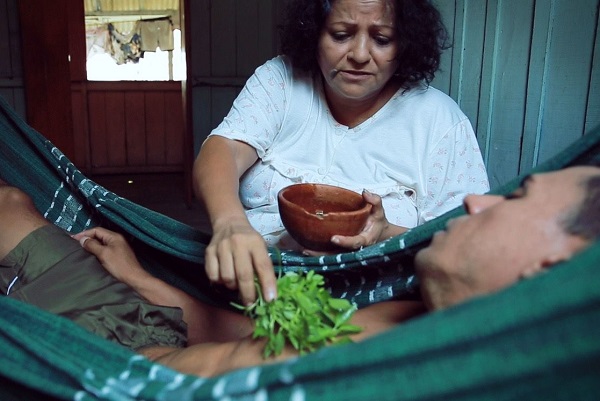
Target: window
{"type": "Point", "coordinates": [151, 66]}
{"type": "Point", "coordinates": [133, 41]}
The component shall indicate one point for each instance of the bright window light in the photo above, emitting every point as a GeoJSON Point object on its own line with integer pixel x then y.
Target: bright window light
{"type": "Point", "coordinates": [153, 66]}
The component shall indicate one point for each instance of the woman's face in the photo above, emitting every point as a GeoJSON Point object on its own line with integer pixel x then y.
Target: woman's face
{"type": "Point", "coordinates": [357, 49]}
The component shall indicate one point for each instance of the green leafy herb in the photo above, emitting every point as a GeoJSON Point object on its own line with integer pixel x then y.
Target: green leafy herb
{"type": "Point", "coordinates": [304, 315]}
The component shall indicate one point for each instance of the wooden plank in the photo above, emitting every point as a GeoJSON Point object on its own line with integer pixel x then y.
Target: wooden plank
{"type": "Point", "coordinates": [115, 128]}
{"type": "Point", "coordinates": [155, 128]}
{"type": "Point", "coordinates": [137, 170]}
{"type": "Point", "coordinates": [32, 24]}
{"type": "Point", "coordinates": [466, 84]}
{"type": "Point", "coordinates": [97, 126]}
{"type": "Point", "coordinates": [136, 125]}
{"type": "Point", "coordinates": [5, 53]}
{"type": "Point", "coordinates": [568, 73]}
{"type": "Point", "coordinates": [219, 81]}
{"type": "Point", "coordinates": [443, 77]}
{"type": "Point", "coordinates": [592, 117]}
{"type": "Point", "coordinates": [483, 120]}
{"type": "Point", "coordinates": [458, 37]}
{"type": "Point", "coordinates": [268, 40]}
{"type": "Point", "coordinates": [223, 38]}
{"type": "Point", "coordinates": [57, 78]}
{"type": "Point", "coordinates": [134, 86]}
{"type": "Point", "coordinates": [247, 42]}
{"type": "Point", "coordinates": [45, 59]}
{"type": "Point", "coordinates": [7, 94]}
{"type": "Point", "coordinates": [19, 103]}
{"type": "Point", "coordinates": [186, 98]}
{"type": "Point", "coordinates": [11, 83]}
{"type": "Point", "coordinates": [80, 130]}
{"type": "Point", "coordinates": [135, 128]}
{"type": "Point", "coordinates": [14, 31]}
{"type": "Point", "coordinates": [508, 72]}
{"type": "Point", "coordinates": [201, 35]}
{"type": "Point", "coordinates": [536, 85]}
{"type": "Point", "coordinates": [76, 39]}
{"type": "Point", "coordinates": [174, 129]}
{"type": "Point", "coordinates": [201, 110]}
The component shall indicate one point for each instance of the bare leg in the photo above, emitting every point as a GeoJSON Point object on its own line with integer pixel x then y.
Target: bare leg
{"type": "Point", "coordinates": [18, 217]}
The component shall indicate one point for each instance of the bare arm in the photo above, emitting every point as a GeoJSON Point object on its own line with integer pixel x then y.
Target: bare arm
{"type": "Point", "coordinates": [210, 359]}
{"type": "Point", "coordinates": [205, 322]}
{"type": "Point", "coordinates": [217, 171]}
{"type": "Point", "coordinates": [236, 252]}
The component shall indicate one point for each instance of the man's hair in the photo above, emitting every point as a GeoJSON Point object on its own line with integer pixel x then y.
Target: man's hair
{"type": "Point", "coordinates": [584, 221]}
{"type": "Point", "coordinates": [420, 32]}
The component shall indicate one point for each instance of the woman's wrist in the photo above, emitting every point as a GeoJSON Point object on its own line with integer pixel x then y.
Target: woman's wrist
{"type": "Point", "coordinates": [391, 230]}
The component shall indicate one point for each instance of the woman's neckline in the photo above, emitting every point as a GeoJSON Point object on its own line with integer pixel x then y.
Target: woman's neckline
{"type": "Point", "coordinates": [357, 120]}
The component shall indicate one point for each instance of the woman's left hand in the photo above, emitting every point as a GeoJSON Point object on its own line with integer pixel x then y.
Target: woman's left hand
{"type": "Point", "coordinates": [377, 228]}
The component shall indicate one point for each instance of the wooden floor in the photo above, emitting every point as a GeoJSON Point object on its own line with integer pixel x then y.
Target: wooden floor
{"type": "Point", "coordinates": [161, 192]}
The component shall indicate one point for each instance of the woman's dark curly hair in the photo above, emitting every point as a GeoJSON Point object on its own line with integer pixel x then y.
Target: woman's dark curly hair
{"type": "Point", "coordinates": [421, 35]}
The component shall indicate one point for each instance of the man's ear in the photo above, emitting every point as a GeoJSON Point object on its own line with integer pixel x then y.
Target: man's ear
{"type": "Point", "coordinates": [554, 259]}
{"type": "Point", "coordinates": [546, 263]}
{"type": "Point", "coordinates": [573, 245]}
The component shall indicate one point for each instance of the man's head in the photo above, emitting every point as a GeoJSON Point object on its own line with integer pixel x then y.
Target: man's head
{"type": "Point", "coordinates": [503, 239]}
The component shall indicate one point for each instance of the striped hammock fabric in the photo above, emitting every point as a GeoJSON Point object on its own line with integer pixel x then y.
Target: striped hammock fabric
{"type": "Point", "coordinates": [536, 340]}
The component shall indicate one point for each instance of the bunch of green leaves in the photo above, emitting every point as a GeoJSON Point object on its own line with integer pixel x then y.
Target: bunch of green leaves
{"type": "Point", "coordinates": [304, 315]}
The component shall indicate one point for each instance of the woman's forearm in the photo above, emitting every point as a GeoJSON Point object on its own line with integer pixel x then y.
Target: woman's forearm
{"type": "Point", "coordinates": [217, 171]}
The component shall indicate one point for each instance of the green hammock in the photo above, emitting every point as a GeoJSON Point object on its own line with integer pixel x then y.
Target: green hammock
{"type": "Point", "coordinates": [536, 340]}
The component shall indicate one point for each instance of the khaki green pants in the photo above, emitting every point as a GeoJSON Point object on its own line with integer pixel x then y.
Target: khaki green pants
{"type": "Point", "coordinates": [52, 271]}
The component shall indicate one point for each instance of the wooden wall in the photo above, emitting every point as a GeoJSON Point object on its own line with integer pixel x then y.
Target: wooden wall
{"type": "Point", "coordinates": [48, 60]}
{"type": "Point", "coordinates": [129, 127]}
{"type": "Point", "coordinates": [11, 67]}
{"type": "Point", "coordinates": [527, 73]}
{"type": "Point", "coordinates": [103, 127]}
{"type": "Point", "coordinates": [229, 39]}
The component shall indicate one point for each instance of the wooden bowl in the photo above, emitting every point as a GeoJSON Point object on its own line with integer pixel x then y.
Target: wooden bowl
{"type": "Point", "coordinates": [313, 213]}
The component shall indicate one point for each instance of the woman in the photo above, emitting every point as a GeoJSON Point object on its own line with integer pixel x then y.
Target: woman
{"type": "Point", "coordinates": [349, 104]}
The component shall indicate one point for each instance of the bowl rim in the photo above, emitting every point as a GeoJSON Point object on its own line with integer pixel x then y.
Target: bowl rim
{"type": "Point", "coordinates": [297, 208]}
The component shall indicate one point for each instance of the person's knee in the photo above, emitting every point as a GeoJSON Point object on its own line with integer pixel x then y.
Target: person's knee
{"type": "Point", "coordinates": [13, 199]}
{"type": "Point", "coordinates": [18, 218]}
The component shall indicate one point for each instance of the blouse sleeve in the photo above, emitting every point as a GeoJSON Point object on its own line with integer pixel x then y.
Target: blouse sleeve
{"type": "Point", "coordinates": [453, 170]}
{"type": "Point", "coordinates": [256, 114]}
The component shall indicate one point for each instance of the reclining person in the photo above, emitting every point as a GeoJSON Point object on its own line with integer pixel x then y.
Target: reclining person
{"type": "Point", "coordinates": [109, 293]}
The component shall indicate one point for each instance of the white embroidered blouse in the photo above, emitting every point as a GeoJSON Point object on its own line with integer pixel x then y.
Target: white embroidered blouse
{"type": "Point", "coordinates": [418, 152]}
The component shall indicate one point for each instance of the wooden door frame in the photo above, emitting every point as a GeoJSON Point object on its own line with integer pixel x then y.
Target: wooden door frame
{"type": "Point", "coordinates": [54, 69]}
{"type": "Point", "coordinates": [46, 69]}
{"type": "Point", "coordinates": [186, 93]}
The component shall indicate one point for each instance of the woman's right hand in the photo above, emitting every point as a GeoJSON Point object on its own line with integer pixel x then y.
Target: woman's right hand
{"type": "Point", "coordinates": [235, 254]}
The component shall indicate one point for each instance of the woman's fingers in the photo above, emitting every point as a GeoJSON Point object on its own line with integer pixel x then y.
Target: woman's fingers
{"type": "Point", "coordinates": [235, 256]}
